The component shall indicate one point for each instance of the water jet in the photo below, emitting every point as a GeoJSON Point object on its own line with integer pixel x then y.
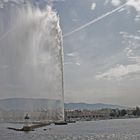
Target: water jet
{"type": "Point", "coordinates": [31, 65]}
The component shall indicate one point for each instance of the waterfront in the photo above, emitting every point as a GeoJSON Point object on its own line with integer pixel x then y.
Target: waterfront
{"type": "Point", "coordinates": [127, 129]}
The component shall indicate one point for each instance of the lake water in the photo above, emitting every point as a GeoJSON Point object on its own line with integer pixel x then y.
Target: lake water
{"type": "Point", "coordinates": [128, 129]}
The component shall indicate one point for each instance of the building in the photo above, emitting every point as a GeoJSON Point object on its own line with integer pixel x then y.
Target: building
{"type": "Point", "coordinates": [87, 114]}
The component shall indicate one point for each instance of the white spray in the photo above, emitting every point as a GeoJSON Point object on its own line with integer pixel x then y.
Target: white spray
{"type": "Point", "coordinates": [32, 55]}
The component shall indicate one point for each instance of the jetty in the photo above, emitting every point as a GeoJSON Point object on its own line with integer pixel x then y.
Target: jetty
{"type": "Point", "coordinates": [30, 127]}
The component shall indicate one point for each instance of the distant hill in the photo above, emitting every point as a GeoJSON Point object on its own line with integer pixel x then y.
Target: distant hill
{"type": "Point", "coordinates": [30, 104]}
{"type": "Point", "coordinates": [97, 106]}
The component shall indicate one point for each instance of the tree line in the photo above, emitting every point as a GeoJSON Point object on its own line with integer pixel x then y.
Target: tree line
{"type": "Point", "coordinates": [121, 113]}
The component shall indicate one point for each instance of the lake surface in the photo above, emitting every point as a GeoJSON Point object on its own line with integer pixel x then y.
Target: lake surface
{"type": "Point", "coordinates": [128, 129]}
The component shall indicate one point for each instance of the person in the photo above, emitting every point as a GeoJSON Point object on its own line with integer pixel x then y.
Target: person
{"type": "Point", "coordinates": [26, 117]}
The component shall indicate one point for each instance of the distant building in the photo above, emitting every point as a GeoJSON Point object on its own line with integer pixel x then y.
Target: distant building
{"type": "Point", "coordinates": [86, 114]}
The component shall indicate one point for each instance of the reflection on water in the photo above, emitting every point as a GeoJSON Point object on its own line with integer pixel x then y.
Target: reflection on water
{"type": "Point", "coordinates": [96, 130]}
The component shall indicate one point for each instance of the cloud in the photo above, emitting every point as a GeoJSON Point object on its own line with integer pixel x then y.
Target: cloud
{"type": "Point", "coordinates": [93, 6]}
{"type": "Point", "coordinates": [115, 2]}
{"type": "Point", "coordinates": [1, 5]}
{"type": "Point", "coordinates": [70, 54]}
{"type": "Point", "coordinates": [133, 48]}
{"type": "Point", "coordinates": [135, 4]}
{"type": "Point", "coordinates": [132, 53]}
{"type": "Point", "coordinates": [72, 59]}
{"type": "Point", "coordinates": [119, 71]}
{"type": "Point", "coordinates": [78, 63]}
{"type": "Point", "coordinates": [106, 2]}
{"type": "Point", "coordinates": [129, 3]}
{"type": "Point", "coordinates": [58, 0]}
{"type": "Point", "coordinates": [72, 63]}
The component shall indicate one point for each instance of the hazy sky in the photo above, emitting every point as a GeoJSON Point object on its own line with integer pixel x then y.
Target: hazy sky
{"type": "Point", "coordinates": [101, 61]}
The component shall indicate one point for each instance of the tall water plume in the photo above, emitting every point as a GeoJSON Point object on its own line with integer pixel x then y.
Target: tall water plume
{"type": "Point", "coordinates": [31, 63]}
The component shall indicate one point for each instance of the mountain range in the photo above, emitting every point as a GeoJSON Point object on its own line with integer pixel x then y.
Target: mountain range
{"type": "Point", "coordinates": [80, 106]}
{"type": "Point", "coordinates": [25, 104]}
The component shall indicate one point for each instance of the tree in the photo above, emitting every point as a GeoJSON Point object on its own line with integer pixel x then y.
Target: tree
{"type": "Point", "coordinates": [136, 112]}
{"type": "Point", "coordinates": [123, 112]}
{"type": "Point", "coordinates": [114, 113]}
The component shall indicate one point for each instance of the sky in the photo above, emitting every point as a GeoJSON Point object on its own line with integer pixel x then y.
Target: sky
{"type": "Point", "coordinates": [101, 49]}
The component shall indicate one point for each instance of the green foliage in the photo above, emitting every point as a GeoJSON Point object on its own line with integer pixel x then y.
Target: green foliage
{"type": "Point", "coordinates": [123, 112]}
{"type": "Point", "coordinates": [118, 113]}
{"type": "Point", "coordinates": [136, 112]}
